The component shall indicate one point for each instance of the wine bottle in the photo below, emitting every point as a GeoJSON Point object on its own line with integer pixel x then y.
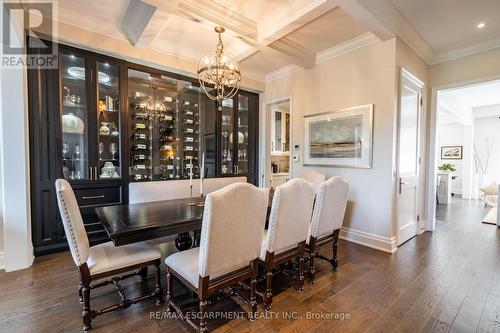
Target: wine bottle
{"type": "Point", "coordinates": [140, 136]}
{"type": "Point", "coordinates": [140, 146]}
{"type": "Point", "coordinates": [167, 138]}
{"type": "Point", "coordinates": [139, 126]}
{"type": "Point", "coordinates": [141, 115]}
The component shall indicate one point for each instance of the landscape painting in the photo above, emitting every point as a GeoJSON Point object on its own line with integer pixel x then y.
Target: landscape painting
{"type": "Point", "coordinates": [340, 138]}
{"type": "Point", "coordinates": [337, 138]}
{"type": "Point", "coordinates": [451, 152]}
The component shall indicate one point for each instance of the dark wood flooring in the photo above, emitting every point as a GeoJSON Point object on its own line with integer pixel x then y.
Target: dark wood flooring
{"type": "Point", "coordinates": [444, 281]}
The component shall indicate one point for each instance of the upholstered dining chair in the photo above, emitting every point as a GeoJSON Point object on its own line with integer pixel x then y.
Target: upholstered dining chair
{"type": "Point", "coordinates": [314, 177]}
{"type": "Point", "coordinates": [232, 228]}
{"type": "Point", "coordinates": [103, 260]}
{"type": "Point", "coordinates": [213, 184]}
{"type": "Point", "coordinates": [285, 237]}
{"type": "Point", "coordinates": [327, 218]}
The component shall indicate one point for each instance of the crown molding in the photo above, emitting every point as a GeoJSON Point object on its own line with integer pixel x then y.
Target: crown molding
{"type": "Point", "coordinates": [346, 47]}
{"type": "Point", "coordinates": [253, 76]}
{"type": "Point", "coordinates": [466, 51]}
{"type": "Point", "coordinates": [333, 52]}
{"type": "Point", "coordinates": [282, 72]}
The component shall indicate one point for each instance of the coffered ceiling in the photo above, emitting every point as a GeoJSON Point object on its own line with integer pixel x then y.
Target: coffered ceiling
{"type": "Point", "coordinates": [269, 35]}
{"type": "Point", "coordinates": [264, 35]}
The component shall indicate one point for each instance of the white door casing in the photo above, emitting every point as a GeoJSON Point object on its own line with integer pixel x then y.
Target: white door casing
{"type": "Point", "coordinates": [410, 106]}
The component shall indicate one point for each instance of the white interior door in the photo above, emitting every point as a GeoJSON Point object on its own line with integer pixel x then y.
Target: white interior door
{"type": "Point", "coordinates": [408, 156]}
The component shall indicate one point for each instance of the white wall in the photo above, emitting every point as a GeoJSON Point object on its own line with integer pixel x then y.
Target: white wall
{"type": "Point", "coordinates": [489, 127]}
{"type": "Point", "coordinates": [452, 135]}
{"type": "Point", "coordinates": [2, 254]}
{"type": "Point", "coordinates": [14, 160]}
{"type": "Point", "coordinates": [365, 76]}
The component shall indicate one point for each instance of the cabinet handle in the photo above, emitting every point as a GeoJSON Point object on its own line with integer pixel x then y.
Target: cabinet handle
{"type": "Point", "coordinates": [95, 173]}
{"type": "Point", "coordinates": [90, 173]}
{"type": "Point", "coordinates": [101, 196]}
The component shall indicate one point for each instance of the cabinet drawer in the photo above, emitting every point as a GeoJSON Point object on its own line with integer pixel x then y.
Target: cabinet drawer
{"type": "Point", "coordinates": [89, 197]}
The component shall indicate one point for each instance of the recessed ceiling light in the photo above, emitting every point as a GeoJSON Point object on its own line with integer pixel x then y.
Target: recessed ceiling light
{"type": "Point", "coordinates": [481, 25]}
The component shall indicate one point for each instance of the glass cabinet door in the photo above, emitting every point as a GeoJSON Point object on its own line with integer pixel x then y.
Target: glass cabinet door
{"type": "Point", "coordinates": [108, 121]}
{"type": "Point", "coordinates": [74, 117]}
{"type": "Point", "coordinates": [242, 135]}
{"type": "Point", "coordinates": [278, 131]}
{"type": "Point", "coordinates": [226, 148]}
{"type": "Point", "coordinates": [286, 142]}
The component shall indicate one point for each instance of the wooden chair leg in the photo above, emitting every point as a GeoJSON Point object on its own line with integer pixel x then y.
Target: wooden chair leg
{"type": "Point", "coordinates": [80, 296]}
{"type": "Point", "coordinates": [158, 290]}
{"type": "Point", "coordinates": [203, 294]}
{"type": "Point", "coordinates": [301, 266]}
{"type": "Point", "coordinates": [169, 290]}
{"type": "Point", "coordinates": [268, 299]}
{"type": "Point", "coordinates": [253, 287]}
{"type": "Point", "coordinates": [335, 262]}
{"type": "Point", "coordinates": [312, 255]}
{"type": "Point", "coordinates": [85, 280]}
{"type": "Point", "coordinates": [86, 314]}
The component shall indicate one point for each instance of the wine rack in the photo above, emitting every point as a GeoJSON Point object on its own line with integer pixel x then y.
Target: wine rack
{"type": "Point", "coordinates": [165, 133]}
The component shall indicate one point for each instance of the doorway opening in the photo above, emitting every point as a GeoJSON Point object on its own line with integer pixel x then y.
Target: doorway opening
{"type": "Point", "coordinates": [467, 142]}
{"type": "Point", "coordinates": [408, 157]}
{"type": "Point", "coordinates": [278, 164]}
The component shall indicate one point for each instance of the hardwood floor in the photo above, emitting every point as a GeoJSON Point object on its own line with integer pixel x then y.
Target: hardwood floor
{"type": "Point", "coordinates": [444, 281]}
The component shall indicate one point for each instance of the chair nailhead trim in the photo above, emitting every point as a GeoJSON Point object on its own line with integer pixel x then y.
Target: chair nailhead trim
{"type": "Point", "coordinates": [70, 226]}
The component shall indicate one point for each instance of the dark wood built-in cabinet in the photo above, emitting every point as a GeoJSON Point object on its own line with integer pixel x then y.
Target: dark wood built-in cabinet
{"type": "Point", "coordinates": [101, 122]}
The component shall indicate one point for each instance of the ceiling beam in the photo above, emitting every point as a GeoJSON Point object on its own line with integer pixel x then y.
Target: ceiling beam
{"type": "Point", "coordinates": [143, 22]}
{"type": "Point", "coordinates": [274, 29]}
{"type": "Point", "coordinates": [385, 21]}
{"type": "Point", "coordinates": [299, 55]}
{"type": "Point", "coordinates": [291, 17]}
{"type": "Point", "coordinates": [211, 14]}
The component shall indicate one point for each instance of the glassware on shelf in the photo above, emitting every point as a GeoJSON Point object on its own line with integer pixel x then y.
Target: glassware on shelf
{"type": "Point", "coordinates": [101, 150]}
{"type": "Point", "coordinates": [65, 149]}
{"type": "Point", "coordinates": [112, 150]}
{"type": "Point", "coordinates": [77, 152]}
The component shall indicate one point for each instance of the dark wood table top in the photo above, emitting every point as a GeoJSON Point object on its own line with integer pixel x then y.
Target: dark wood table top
{"type": "Point", "coordinates": [132, 223]}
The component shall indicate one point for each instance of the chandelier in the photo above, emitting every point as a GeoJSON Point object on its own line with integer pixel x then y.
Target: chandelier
{"type": "Point", "coordinates": [218, 73]}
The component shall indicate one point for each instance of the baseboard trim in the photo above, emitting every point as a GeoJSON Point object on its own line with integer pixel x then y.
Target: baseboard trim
{"type": "Point", "coordinates": [373, 241]}
{"type": "Point", "coordinates": [2, 260]}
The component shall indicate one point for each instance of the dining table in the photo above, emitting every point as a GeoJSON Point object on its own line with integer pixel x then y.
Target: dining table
{"type": "Point", "coordinates": [132, 223]}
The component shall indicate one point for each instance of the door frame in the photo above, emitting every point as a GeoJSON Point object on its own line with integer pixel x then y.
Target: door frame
{"type": "Point", "coordinates": [265, 150]}
{"type": "Point", "coordinates": [404, 73]}
{"type": "Point", "coordinates": [431, 189]}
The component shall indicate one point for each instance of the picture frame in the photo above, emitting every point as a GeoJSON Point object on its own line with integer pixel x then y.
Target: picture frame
{"type": "Point", "coordinates": [452, 152]}
{"type": "Point", "coordinates": [340, 139]}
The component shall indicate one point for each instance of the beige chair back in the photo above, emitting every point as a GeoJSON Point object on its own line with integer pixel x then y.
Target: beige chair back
{"type": "Point", "coordinates": [313, 177]}
{"type": "Point", "coordinates": [290, 215]}
{"type": "Point", "coordinates": [72, 222]}
{"type": "Point", "coordinates": [232, 228]}
{"type": "Point", "coordinates": [214, 184]}
{"type": "Point", "coordinates": [330, 206]}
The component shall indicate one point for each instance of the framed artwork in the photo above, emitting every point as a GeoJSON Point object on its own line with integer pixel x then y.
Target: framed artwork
{"type": "Point", "coordinates": [343, 138]}
{"type": "Point", "coordinates": [451, 152]}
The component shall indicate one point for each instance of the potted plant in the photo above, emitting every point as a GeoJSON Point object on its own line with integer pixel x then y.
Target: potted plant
{"type": "Point", "coordinates": [447, 167]}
